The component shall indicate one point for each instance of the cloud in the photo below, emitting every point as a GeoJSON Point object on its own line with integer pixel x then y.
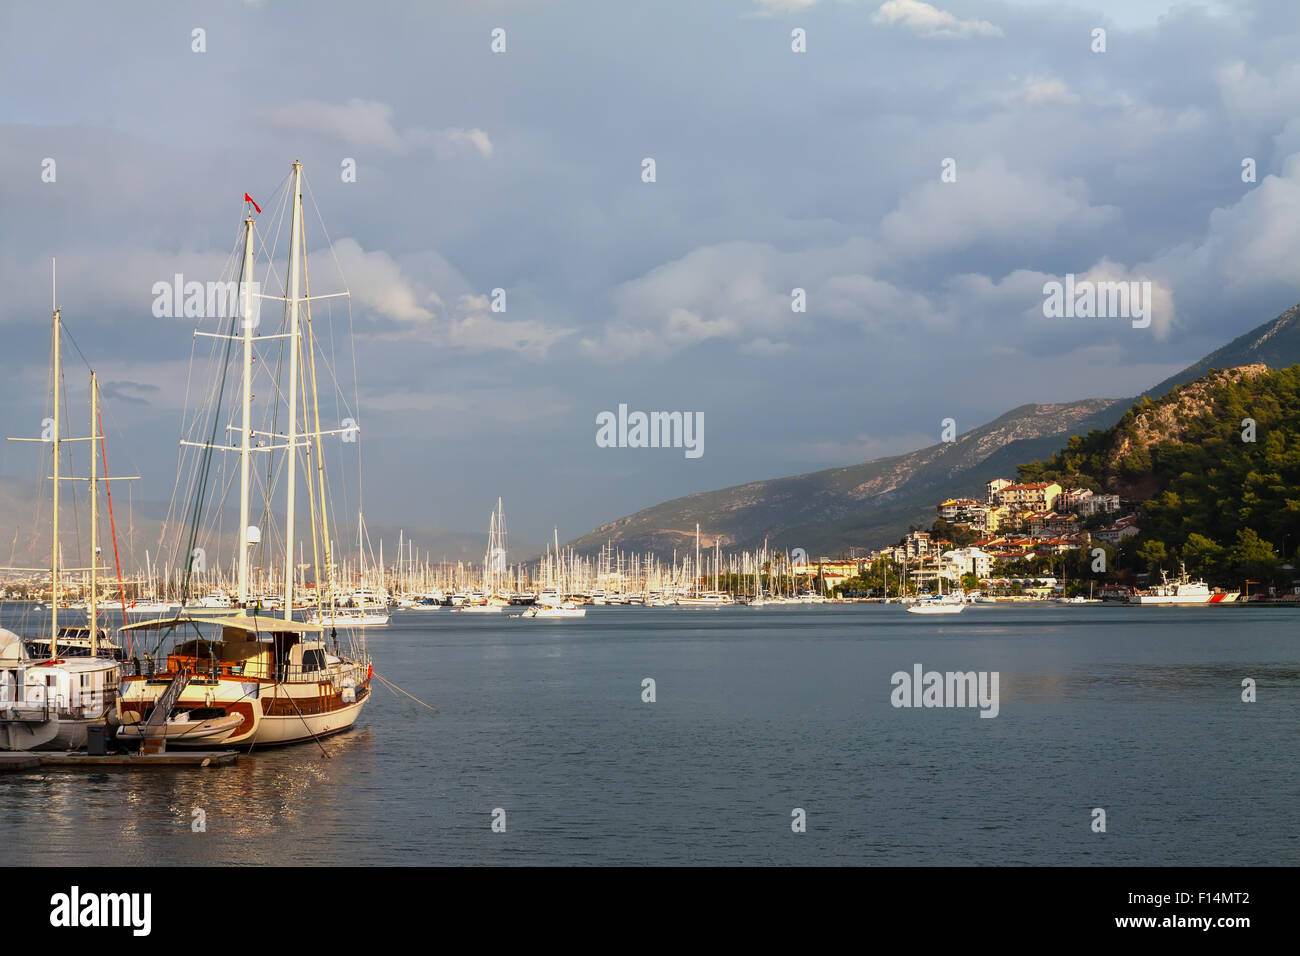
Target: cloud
{"type": "Point", "coordinates": [357, 122]}
{"type": "Point", "coordinates": [1036, 92]}
{"type": "Point", "coordinates": [713, 292]}
{"type": "Point", "coordinates": [930, 21]}
{"type": "Point", "coordinates": [138, 393]}
{"type": "Point", "coordinates": [1253, 241]}
{"type": "Point", "coordinates": [764, 346]}
{"type": "Point", "coordinates": [1256, 101]}
{"type": "Point", "coordinates": [771, 7]}
{"type": "Point", "coordinates": [375, 281]}
{"type": "Point", "coordinates": [990, 202]}
{"type": "Point", "coordinates": [407, 292]}
{"type": "Point", "coordinates": [369, 124]}
{"type": "Point", "coordinates": [456, 140]}
{"type": "Point", "coordinates": [475, 328]}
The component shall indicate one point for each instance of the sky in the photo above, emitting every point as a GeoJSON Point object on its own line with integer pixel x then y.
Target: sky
{"type": "Point", "coordinates": [524, 170]}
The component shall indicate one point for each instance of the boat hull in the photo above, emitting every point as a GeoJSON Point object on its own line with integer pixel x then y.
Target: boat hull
{"type": "Point", "coordinates": [936, 608]}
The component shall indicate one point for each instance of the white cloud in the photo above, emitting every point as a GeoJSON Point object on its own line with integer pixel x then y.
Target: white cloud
{"type": "Point", "coordinates": [455, 140]}
{"type": "Point", "coordinates": [1255, 240]}
{"type": "Point", "coordinates": [475, 328]}
{"type": "Point", "coordinates": [1258, 102]}
{"type": "Point", "coordinates": [770, 7]}
{"type": "Point", "coordinates": [357, 122]}
{"type": "Point", "coordinates": [713, 292]}
{"type": "Point", "coordinates": [989, 202]}
{"type": "Point", "coordinates": [369, 123]}
{"type": "Point", "coordinates": [930, 21]}
{"type": "Point", "coordinates": [375, 281]}
{"type": "Point", "coordinates": [414, 291]}
{"type": "Point", "coordinates": [1049, 90]}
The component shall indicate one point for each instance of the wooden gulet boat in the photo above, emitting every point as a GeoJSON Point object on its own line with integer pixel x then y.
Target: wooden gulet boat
{"type": "Point", "coordinates": [286, 681]}
{"type": "Point", "coordinates": [278, 675]}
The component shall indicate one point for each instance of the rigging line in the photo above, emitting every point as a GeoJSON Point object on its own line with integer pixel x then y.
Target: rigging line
{"type": "Point", "coordinates": [205, 462]}
{"type": "Point", "coordinates": [108, 495]}
{"type": "Point", "coordinates": [76, 514]}
{"type": "Point", "coordinates": [314, 736]}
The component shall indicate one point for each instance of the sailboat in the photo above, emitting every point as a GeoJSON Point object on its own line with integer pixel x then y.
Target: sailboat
{"type": "Point", "coordinates": [698, 598]}
{"type": "Point", "coordinates": [288, 680]}
{"type": "Point", "coordinates": [365, 607]}
{"type": "Point", "coordinates": [951, 603]}
{"type": "Point", "coordinates": [49, 701]}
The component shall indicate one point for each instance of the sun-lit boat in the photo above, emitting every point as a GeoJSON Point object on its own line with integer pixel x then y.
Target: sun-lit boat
{"type": "Point", "coordinates": [288, 680]}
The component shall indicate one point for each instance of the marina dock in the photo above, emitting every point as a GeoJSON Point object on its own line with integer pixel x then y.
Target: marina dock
{"type": "Point", "coordinates": [84, 761]}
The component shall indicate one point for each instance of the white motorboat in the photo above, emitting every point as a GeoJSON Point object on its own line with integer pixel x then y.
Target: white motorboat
{"type": "Point", "coordinates": [937, 606]}
{"type": "Point", "coordinates": [566, 609]}
{"type": "Point", "coordinates": [188, 728]}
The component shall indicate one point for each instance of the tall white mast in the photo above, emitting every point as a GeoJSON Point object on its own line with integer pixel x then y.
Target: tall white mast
{"type": "Point", "coordinates": [244, 455]}
{"type": "Point", "coordinates": [695, 589]}
{"type": "Point", "coordinates": [54, 538]}
{"type": "Point", "coordinates": [94, 515]}
{"type": "Point", "coordinates": [295, 259]}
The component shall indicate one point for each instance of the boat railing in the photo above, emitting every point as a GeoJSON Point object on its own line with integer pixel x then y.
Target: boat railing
{"type": "Point", "coordinates": [36, 704]}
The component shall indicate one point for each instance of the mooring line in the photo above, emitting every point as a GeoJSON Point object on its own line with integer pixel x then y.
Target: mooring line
{"type": "Point", "coordinates": [389, 684]}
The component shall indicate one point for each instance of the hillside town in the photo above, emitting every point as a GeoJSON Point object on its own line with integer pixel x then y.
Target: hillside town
{"type": "Point", "coordinates": [1005, 542]}
{"type": "Point", "coordinates": [1012, 526]}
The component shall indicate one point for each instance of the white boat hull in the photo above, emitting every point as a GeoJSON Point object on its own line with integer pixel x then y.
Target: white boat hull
{"type": "Point", "coordinates": [1184, 600]}
{"type": "Point", "coordinates": [188, 733]}
{"type": "Point", "coordinates": [936, 608]}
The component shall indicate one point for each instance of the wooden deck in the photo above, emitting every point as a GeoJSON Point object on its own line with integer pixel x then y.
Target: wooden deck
{"type": "Point", "coordinates": [183, 758]}
{"type": "Point", "coordinates": [17, 760]}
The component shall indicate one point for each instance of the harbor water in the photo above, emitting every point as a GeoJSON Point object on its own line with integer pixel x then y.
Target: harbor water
{"type": "Point", "coordinates": [545, 727]}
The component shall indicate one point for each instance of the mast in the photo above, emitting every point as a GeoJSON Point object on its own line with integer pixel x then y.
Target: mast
{"type": "Point", "coordinates": [94, 516]}
{"type": "Point", "coordinates": [54, 537]}
{"type": "Point", "coordinates": [695, 589]}
{"type": "Point", "coordinates": [244, 455]}
{"type": "Point", "coordinates": [320, 474]}
{"type": "Point", "coordinates": [291, 477]}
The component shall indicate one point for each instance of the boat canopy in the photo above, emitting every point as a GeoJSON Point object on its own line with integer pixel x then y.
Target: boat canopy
{"type": "Point", "coordinates": [242, 623]}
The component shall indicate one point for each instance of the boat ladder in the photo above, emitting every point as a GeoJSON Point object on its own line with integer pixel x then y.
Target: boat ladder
{"type": "Point", "coordinates": [155, 727]}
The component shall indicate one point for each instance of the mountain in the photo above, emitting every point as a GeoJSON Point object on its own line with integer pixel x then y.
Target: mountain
{"type": "Point", "coordinates": [1275, 343]}
{"type": "Point", "coordinates": [829, 512]}
{"type": "Point", "coordinates": [1212, 468]}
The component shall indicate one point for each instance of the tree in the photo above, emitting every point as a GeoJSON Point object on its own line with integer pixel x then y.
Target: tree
{"type": "Point", "coordinates": [1203, 555]}
{"type": "Point", "coordinates": [1153, 554]}
{"type": "Point", "coordinates": [1252, 556]}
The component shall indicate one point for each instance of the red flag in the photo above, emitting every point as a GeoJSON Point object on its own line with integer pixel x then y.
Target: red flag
{"type": "Point", "coordinates": [248, 198]}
